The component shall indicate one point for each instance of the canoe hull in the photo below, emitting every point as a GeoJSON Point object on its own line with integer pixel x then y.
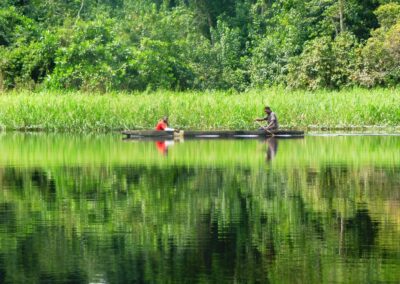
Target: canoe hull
{"type": "Point", "coordinates": [221, 134]}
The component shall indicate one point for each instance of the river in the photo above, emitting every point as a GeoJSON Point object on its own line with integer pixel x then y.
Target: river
{"type": "Point", "coordinates": [98, 209]}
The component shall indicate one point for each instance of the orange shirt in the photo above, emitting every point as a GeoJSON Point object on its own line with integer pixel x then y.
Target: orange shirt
{"type": "Point", "coordinates": [161, 125]}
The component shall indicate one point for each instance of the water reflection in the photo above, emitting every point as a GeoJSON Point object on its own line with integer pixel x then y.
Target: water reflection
{"type": "Point", "coordinates": [272, 148]}
{"type": "Point", "coordinates": [184, 220]}
{"type": "Point", "coordinates": [163, 146]}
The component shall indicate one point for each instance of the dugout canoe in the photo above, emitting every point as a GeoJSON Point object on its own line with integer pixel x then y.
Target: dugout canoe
{"type": "Point", "coordinates": [217, 134]}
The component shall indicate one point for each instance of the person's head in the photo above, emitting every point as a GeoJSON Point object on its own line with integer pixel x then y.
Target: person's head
{"type": "Point", "coordinates": [165, 119]}
{"type": "Point", "coordinates": [267, 110]}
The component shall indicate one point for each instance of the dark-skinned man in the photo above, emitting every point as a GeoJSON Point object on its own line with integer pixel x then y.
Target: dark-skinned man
{"type": "Point", "coordinates": [270, 118]}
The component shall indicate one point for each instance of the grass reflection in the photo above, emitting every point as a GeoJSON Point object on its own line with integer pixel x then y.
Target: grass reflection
{"type": "Point", "coordinates": [83, 208]}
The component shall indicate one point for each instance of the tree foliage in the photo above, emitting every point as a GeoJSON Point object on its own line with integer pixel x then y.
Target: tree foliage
{"type": "Point", "coordinates": [108, 45]}
{"type": "Point", "coordinates": [325, 62]}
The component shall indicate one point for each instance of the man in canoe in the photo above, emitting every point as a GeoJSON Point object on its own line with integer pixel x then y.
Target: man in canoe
{"type": "Point", "coordinates": [163, 125]}
{"type": "Point", "coordinates": [272, 120]}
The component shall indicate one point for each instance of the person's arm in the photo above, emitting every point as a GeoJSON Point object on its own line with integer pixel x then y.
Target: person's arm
{"type": "Point", "coordinates": [261, 119]}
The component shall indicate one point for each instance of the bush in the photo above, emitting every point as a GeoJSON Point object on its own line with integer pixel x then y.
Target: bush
{"type": "Point", "coordinates": [142, 51]}
{"type": "Point", "coordinates": [388, 15]}
{"type": "Point", "coordinates": [83, 56]}
{"type": "Point", "coordinates": [26, 66]}
{"type": "Point", "coordinates": [15, 29]}
{"type": "Point", "coordinates": [380, 57]}
{"type": "Point", "coordinates": [324, 63]}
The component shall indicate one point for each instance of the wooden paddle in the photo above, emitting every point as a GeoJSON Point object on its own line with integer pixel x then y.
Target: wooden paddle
{"type": "Point", "coordinates": [265, 129]}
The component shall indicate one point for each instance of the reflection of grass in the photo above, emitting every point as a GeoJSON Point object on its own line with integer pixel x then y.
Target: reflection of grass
{"type": "Point", "coordinates": [277, 213]}
{"type": "Point", "coordinates": [47, 149]}
{"type": "Point", "coordinates": [191, 110]}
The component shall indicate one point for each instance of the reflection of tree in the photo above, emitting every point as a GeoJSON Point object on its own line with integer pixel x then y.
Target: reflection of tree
{"type": "Point", "coordinates": [181, 223]}
{"type": "Point", "coordinates": [8, 217]}
{"type": "Point", "coordinates": [361, 232]}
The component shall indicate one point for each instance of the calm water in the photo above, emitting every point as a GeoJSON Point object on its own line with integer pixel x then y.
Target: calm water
{"type": "Point", "coordinates": [97, 209]}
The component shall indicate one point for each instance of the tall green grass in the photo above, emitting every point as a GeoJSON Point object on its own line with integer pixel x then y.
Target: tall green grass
{"type": "Point", "coordinates": [65, 111]}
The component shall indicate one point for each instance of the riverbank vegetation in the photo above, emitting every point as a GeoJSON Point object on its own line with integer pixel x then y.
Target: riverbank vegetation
{"type": "Point", "coordinates": [77, 111]}
{"type": "Point", "coordinates": [103, 46]}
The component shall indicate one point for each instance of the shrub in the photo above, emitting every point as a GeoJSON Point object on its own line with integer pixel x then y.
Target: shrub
{"type": "Point", "coordinates": [324, 63]}
{"type": "Point", "coordinates": [380, 57]}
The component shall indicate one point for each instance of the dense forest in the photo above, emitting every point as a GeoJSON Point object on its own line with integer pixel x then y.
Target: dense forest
{"type": "Point", "coordinates": [106, 45]}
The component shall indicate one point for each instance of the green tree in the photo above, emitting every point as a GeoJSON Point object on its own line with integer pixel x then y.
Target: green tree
{"type": "Point", "coordinates": [380, 57]}
{"type": "Point", "coordinates": [325, 63]}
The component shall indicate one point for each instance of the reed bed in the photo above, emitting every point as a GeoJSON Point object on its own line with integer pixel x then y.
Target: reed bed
{"type": "Point", "coordinates": [79, 112]}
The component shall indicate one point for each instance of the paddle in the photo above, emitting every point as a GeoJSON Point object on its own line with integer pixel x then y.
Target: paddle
{"type": "Point", "coordinates": [265, 129]}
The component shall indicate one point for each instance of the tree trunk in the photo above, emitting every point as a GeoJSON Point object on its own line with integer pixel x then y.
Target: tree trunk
{"type": "Point", "coordinates": [79, 12]}
{"type": "Point", "coordinates": [341, 15]}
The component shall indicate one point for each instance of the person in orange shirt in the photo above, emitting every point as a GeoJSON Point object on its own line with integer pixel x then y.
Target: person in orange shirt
{"type": "Point", "coordinates": [163, 125]}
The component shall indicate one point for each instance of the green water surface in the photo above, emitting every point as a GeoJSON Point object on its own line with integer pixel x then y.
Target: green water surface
{"type": "Point", "coordinates": [98, 209]}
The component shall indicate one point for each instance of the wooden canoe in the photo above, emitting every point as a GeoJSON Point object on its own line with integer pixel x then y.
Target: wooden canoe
{"type": "Point", "coordinates": [217, 134]}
